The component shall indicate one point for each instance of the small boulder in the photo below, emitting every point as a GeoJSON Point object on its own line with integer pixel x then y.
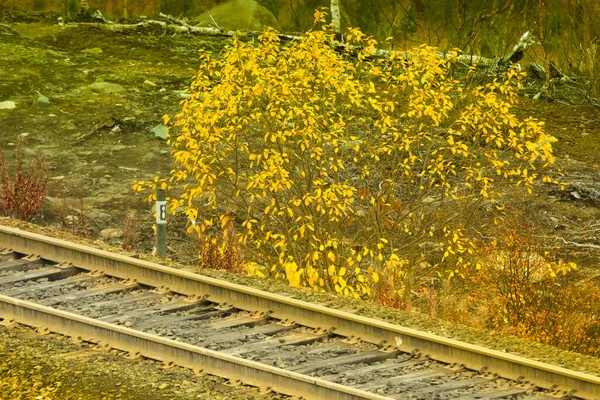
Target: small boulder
{"type": "Point", "coordinates": [160, 132]}
{"type": "Point", "coordinates": [95, 50]}
{"type": "Point", "coordinates": [105, 88]}
{"type": "Point", "coordinates": [71, 219]}
{"type": "Point", "coordinates": [239, 14]}
{"type": "Point", "coordinates": [7, 105]}
{"type": "Point", "coordinates": [149, 85]}
{"type": "Point", "coordinates": [111, 233]}
{"type": "Point", "coordinates": [41, 101]}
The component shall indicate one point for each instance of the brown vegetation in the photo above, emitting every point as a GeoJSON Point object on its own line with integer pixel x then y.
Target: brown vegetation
{"type": "Point", "coordinates": [23, 193]}
{"type": "Point", "coordinates": [130, 231]}
{"type": "Point", "coordinates": [219, 250]}
{"type": "Point", "coordinates": [522, 288]}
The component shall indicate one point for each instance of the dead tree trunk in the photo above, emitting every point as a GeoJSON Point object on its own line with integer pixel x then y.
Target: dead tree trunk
{"type": "Point", "coordinates": [518, 52]}
{"type": "Point", "coordinates": [335, 16]}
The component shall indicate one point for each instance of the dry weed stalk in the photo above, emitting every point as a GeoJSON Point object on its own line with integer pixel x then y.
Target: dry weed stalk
{"type": "Point", "coordinates": [130, 231]}
{"type": "Point", "coordinates": [220, 252]}
{"type": "Point", "coordinates": [23, 194]}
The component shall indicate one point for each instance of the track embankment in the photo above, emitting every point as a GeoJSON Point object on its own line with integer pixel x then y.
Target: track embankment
{"type": "Point", "coordinates": [262, 339]}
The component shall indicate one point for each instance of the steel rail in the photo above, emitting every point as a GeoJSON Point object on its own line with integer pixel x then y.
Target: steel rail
{"type": "Point", "coordinates": [509, 366]}
{"type": "Point", "coordinates": [182, 354]}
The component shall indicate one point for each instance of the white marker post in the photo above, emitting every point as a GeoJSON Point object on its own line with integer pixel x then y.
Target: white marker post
{"type": "Point", "coordinates": [161, 222]}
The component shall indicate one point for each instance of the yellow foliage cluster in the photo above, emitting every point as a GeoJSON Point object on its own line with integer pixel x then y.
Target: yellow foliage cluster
{"type": "Point", "coordinates": [339, 166]}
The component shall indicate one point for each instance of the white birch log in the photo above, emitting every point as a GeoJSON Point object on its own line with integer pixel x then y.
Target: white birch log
{"type": "Point", "coordinates": [335, 16]}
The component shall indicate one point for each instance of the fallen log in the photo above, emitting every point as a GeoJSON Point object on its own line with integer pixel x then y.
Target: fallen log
{"type": "Point", "coordinates": [172, 25]}
{"type": "Point", "coordinates": [538, 71]}
{"type": "Point", "coordinates": [176, 29]}
{"type": "Point", "coordinates": [178, 26]}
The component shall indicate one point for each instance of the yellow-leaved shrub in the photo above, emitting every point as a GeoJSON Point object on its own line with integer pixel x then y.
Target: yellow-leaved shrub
{"type": "Point", "coordinates": [346, 171]}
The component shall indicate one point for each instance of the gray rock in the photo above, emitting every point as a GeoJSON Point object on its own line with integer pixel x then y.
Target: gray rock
{"type": "Point", "coordinates": [182, 94]}
{"type": "Point", "coordinates": [149, 85]}
{"type": "Point", "coordinates": [160, 132]}
{"type": "Point", "coordinates": [40, 100]}
{"type": "Point", "coordinates": [111, 233]}
{"type": "Point", "coordinates": [95, 50]}
{"type": "Point", "coordinates": [104, 88]}
{"type": "Point", "coordinates": [71, 219]}
{"type": "Point", "coordinates": [7, 105]}
{"type": "Point", "coordinates": [119, 147]}
{"type": "Point", "coordinates": [29, 151]}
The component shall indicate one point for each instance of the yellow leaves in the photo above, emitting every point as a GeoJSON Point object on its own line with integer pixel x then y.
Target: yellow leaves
{"type": "Point", "coordinates": [138, 187]}
{"type": "Point", "coordinates": [293, 274]}
{"type": "Point", "coordinates": [254, 269]}
{"type": "Point", "coordinates": [319, 16]}
{"type": "Point", "coordinates": [315, 256]}
{"type": "Point", "coordinates": [331, 256]}
{"type": "Point", "coordinates": [371, 88]}
{"type": "Point", "coordinates": [331, 270]}
{"type": "Point", "coordinates": [375, 277]}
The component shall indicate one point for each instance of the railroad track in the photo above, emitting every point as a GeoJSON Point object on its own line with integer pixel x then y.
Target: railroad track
{"type": "Point", "coordinates": [261, 339]}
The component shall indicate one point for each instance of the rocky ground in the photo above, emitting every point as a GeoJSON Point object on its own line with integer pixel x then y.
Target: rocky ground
{"type": "Point", "coordinates": [98, 124]}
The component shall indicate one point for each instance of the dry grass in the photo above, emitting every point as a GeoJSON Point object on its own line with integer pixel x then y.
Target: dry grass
{"type": "Point", "coordinates": [24, 192]}
{"type": "Point", "coordinates": [130, 231]}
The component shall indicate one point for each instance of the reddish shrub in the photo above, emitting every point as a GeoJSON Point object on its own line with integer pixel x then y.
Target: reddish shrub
{"type": "Point", "coordinates": [23, 194]}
